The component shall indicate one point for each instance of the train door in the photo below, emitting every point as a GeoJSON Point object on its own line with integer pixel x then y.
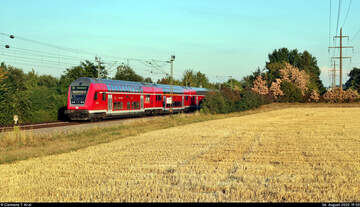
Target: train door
{"type": "Point", "coordinates": [164, 102]}
{"type": "Point", "coordinates": [197, 100]}
{"type": "Point", "coordinates": [141, 102]}
{"type": "Point", "coordinates": [110, 103]}
{"type": "Point", "coordinates": [182, 103]}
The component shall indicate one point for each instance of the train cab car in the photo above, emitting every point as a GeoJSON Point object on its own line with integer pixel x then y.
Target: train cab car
{"type": "Point", "coordinates": [91, 99]}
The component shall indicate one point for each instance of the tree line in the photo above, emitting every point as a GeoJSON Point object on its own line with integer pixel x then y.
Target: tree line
{"type": "Point", "coordinates": [289, 76]}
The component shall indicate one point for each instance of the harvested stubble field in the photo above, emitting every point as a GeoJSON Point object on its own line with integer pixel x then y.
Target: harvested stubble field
{"type": "Point", "coordinates": [294, 154]}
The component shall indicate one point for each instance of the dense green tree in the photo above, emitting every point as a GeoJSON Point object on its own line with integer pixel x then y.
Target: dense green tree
{"type": "Point", "coordinates": [201, 80]}
{"type": "Point", "coordinates": [3, 93]}
{"type": "Point", "coordinates": [15, 95]}
{"type": "Point", "coordinates": [125, 72]}
{"type": "Point", "coordinates": [189, 78]}
{"type": "Point", "coordinates": [167, 80]}
{"type": "Point", "coordinates": [354, 80]}
{"type": "Point", "coordinates": [304, 61]}
{"type": "Point", "coordinates": [198, 79]}
{"type": "Point", "coordinates": [85, 69]}
{"type": "Point", "coordinates": [2, 77]}
{"type": "Point", "coordinates": [234, 84]}
{"type": "Point", "coordinates": [291, 92]}
{"type": "Point", "coordinates": [47, 81]}
{"type": "Point", "coordinates": [32, 97]}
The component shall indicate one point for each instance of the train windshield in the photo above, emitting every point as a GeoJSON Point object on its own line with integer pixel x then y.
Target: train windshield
{"type": "Point", "coordinates": [78, 94]}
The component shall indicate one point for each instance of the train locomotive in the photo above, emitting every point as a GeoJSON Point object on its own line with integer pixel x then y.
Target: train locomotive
{"type": "Point", "coordinates": [96, 99]}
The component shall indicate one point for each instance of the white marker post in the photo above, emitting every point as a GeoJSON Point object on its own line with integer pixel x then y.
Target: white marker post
{"type": "Point", "coordinates": [16, 119]}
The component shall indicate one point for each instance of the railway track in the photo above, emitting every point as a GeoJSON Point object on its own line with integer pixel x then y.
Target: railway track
{"type": "Point", "coordinates": [40, 125]}
{"type": "Point", "coordinates": [62, 123]}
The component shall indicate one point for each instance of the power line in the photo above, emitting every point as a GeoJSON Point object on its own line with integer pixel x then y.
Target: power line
{"type": "Point", "coordinates": [347, 13]}
{"type": "Point", "coordinates": [338, 17]}
{"type": "Point", "coordinates": [356, 34]}
{"type": "Point", "coordinates": [330, 25]}
{"type": "Point", "coordinates": [341, 56]}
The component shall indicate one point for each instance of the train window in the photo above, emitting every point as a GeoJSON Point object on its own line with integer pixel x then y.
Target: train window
{"type": "Point", "coordinates": [186, 97]}
{"type": "Point", "coordinates": [128, 105]}
{"type": "Point", "coordinates": [176, 104]}
{"type": "Point", "coordinates": [135, 105]}
{"type": "Point", "coordinates": [104, 96]}
{"type": "Point", "coordinates": [147, 99]}
{"type": "Point", "coordinates": [96, 96]}
{"type": "Point", "coordinates": [158, 97]}
{"type": "Point", "coordinates": [118, 105]}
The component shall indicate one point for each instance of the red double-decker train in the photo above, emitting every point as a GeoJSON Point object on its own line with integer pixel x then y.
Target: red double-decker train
{"type": "Point", "coordinates": [94, 99]}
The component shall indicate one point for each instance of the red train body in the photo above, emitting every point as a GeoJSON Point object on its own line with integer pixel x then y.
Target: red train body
{"type": "Point", "coordinates": [90, 98]}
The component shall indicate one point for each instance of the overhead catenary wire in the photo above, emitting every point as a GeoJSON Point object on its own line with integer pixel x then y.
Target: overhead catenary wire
{"type": "Point", "coordinates": [40, 52]}
{"type": "Point", "coordinates": [48, 45]}
{"type": "Point", "coordinates": [66, 59]}
{"type": "Point", "coordinates": [41, 55]}
{"type": "Point", "coordinates": [32, 64]}
{"type": "Point", "coordinates": [72, 50]}
{"type": "Point", "coordinates": [40, 60]}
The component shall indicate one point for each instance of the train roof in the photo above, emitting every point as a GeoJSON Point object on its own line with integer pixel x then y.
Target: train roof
{"type": "Point", "coordinates": [132, 86]}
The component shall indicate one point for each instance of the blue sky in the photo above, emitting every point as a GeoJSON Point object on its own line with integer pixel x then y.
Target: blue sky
{"type": "Point", "coordinates": [219, 38]}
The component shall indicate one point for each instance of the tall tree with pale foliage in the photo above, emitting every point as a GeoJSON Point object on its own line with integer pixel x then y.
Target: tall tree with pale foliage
{"type": "Point", "coordinates": [275, 89]}
{"type": "Point", "coordinates": [260, 86]}
{"type": "Point", "coordinates": [299, 78]}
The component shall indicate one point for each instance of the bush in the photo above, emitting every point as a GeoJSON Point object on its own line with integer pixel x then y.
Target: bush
{"type": "Point", "coordinates": [351, 95]}
{"type": "Point", "coordinates": [339, 96]}
{"type": "Point", "coordinates": [291, 92]}
{"type": "Point", "coordinates": [215, 103]}
{"type": "Point", "coordinates": [231, 97]}
{"type": "Point", "coordinates": [314, 96]}
{"type": "Point", "coordinates": [249, 100]}
{"type": "Point", "coordinates": [41, 116]}
{"type": "Point", "coordinates": [227, 101]}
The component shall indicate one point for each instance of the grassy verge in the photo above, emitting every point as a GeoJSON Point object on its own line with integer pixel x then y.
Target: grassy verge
{"type": "Point", "coordinates": [21, 145]}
